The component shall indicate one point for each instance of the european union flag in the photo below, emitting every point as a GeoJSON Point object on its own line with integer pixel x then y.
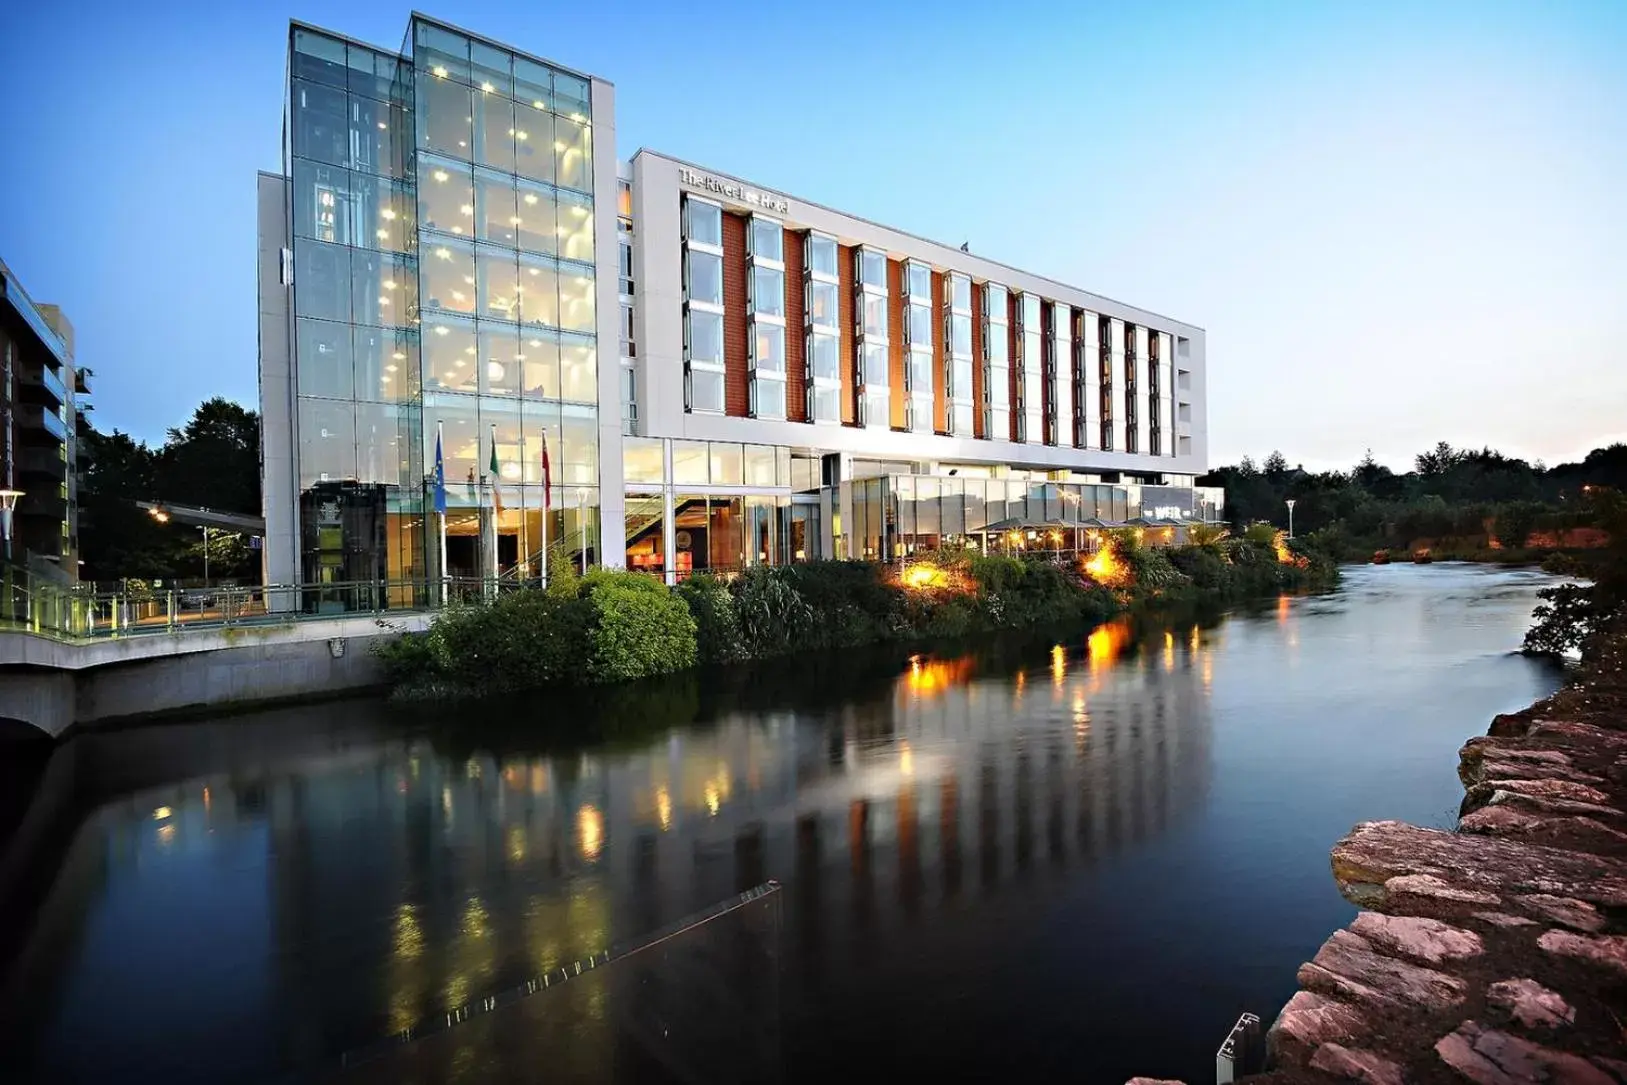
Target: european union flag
{"type": "Point", "coordinates": [440, 478]}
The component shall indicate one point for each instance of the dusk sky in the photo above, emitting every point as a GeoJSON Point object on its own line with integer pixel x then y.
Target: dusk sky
{"type": "Point", "coordinates": [1399, 223]}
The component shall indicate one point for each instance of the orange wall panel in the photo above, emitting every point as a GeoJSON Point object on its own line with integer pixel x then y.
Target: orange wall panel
{"type": "Point", "coordinates": [736, 366]}
{"type": "Point", "coordinates": [897, 396]}
{"type": "Point", "coordinates": [796, 332]}
{"type": "Point", "coordinates": [850, 341]}
{"type": "Point", "coordinates": [940, 376]}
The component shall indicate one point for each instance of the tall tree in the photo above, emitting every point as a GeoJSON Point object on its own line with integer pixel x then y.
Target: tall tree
{"type": "Point", "coordinates": [214, 460]}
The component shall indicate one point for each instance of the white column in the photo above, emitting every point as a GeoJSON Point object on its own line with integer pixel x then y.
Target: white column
{"type": "Point", "coordinates": [612, 548]}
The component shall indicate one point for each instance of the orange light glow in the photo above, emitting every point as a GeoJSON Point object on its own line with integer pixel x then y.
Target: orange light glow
{"type": "Point", "coordinates": [1105, 568]}
{"type": "Point", "coordinates": [1059, 664]}
{"type": "Point", "coordinates": [1106, 643]}
{"type": "Point", "coordinates": [922, 576]}
{"type": "Point", "coordinates": [930, 677]}
{"type": "Point", "coordinates": [590, 831]}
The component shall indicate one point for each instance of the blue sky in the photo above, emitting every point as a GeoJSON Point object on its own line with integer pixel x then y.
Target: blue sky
{"type": "Point", "coordinates": [1399, 223]}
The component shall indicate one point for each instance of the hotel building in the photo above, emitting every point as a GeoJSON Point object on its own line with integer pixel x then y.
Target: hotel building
{"type": "Point", "coordinates": [707, 374]}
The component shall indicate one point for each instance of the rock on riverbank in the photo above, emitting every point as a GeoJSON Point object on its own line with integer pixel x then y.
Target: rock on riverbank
{"type": "Point", "coordinates": [1496, 954]}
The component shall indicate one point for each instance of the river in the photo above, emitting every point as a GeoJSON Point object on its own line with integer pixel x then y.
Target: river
{"type": "Point", "coordinates": [1044, 860]}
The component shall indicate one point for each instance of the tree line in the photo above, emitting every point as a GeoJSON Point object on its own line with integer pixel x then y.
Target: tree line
{"type": "Point", "coordinates": [212, 461]}
{"type": "Point", "coordinates": [1460, 499]}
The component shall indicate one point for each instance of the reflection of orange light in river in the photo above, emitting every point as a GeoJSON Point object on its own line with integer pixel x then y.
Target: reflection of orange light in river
{"type": "Point", "coordinates": [1106, 643]}
{"type": "Point", "coordinates": [1059, 664]}
{"type": "Point", "coordinates": [1282, 610]}
{"type": "Point", "coordinates": [1169, 651]}
{"type": "Point", "coordinates": [663, 807]}
{"type": "Point", "coordinates": [590, 830]}
{"type": "Point", "coordinates": [930, 677]}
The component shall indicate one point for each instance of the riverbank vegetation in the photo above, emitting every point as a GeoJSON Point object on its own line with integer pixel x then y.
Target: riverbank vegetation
{"type": "Point", "coordinates": [1456, 504]}
{"type": "Point", "coordinates": [613, 626]}
{"type": "Point", "coordinates": [1578, 617]}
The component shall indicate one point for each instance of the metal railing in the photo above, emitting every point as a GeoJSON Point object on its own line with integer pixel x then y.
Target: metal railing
{"type": "Point", "coordinates": [28, 605]}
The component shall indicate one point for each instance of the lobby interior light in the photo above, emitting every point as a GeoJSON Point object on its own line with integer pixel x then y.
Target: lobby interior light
{"type": "Point", "coordinates": [399, 356]}
{"type": "Point", "coordinates": [388, 212]}
{"type": "Point", "coordinates": [487, 88]}
{"type": "Point", "coordinates": [442, 330]}
{"type": "Point", "coordinates": [438, 71]}
{"type": "Point", "coordinates": [538, 105]}
{"type": "Point", "coordinates": [384, 235]}
{"type": "Point", "coordinates": [531, 197]}
{"type": "Point", "coordinates": [390, 368]}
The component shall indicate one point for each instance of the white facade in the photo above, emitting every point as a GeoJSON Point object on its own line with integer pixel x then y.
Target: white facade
{"type": "Point", "coordinates": [658, 182]}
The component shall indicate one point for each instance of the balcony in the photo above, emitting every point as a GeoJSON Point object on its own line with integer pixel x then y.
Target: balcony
{"type": "Point", "coordinates": [37, 424]}
{"type": "Point", "coordinates": [42, 386]}
{"type": "Point", "coordinates": [35, 464]}
{"type": "Point", "coordinates": [81, 380]}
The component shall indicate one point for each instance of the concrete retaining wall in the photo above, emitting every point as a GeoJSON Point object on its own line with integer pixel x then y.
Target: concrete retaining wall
{"type": "Point", "coordinates": [53, 685]}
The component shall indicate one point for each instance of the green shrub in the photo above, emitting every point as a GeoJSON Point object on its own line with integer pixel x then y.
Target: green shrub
{"type": "Point", "coordinates": [636, 628]}
{"type": "Point", "coordinates": [851, 602]}
{"type": "Point", "coordinates": [774, 618]}
{"type": "Point", "coordinates": [717, 627]}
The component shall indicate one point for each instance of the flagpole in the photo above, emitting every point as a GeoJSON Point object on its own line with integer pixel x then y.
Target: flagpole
{"type": "Point", "coordinates": [547, 483]}
{"type": "Point", "coordinates": [491, 544]}
{"type": "Point", "coordinates": [525, 551]}
{"type": "Point", "coordinates": [440, 489]}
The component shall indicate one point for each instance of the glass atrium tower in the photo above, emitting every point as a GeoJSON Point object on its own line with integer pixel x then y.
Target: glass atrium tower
{"type": "Point", "coordinates": [427, 272]}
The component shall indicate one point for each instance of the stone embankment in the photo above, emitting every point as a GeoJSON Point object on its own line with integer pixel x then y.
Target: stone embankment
{"type": "Point", "coordinates": [1495, 954]}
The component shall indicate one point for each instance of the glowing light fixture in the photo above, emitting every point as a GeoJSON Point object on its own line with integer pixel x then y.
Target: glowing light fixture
{"type": "Point", "coordinates": [440, 175]}
{"type": "Point", "coordinates": [438, 71]}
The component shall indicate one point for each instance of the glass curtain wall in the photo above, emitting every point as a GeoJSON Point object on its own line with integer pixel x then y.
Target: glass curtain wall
{"type": "Point", "coordinates": [1032, 418]}
{"type": "Point", "coordinates": [503, 154]}
{"type": "Point", "coordinates": [356, 347]}
{"type": "Point", "coordinates": [823, 330]}
{"type": "Point", "coordinates": [765, 316]}
{"type": "Point", "coordinates": [870, 310]}
{"type": "Point", "coordinates": [918, 345]}
{"type": "Point", "coordinates": [1086, 397]}
{"type": "Point", "coordinates": [897, 515]}
{"type": "Point", "coordinates": [958, 339]}
{"type": "Point", "coordinates": [997, 374]}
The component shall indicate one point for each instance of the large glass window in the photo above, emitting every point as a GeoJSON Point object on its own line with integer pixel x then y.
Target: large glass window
{"type": "Point", "coordinates": [322, 203]}
{"type": "Point", "coordinates": [705, 337]}
{"type": "Point", "coordinates": [920, 282]}
{"type": "Point", "coordinates": [499, 283]}
{"type": "Point", "coordinates": [445, 116]}
{"type": "Point", "coordinates": [540, 371]}
{"type": "Point", "coordinates": [443, 52]}
{"type": "Point", "coordinates": [494, 131]}
{"type": "Point", "coordinates": [496, 218]}
{"type": "Point", "coordinates": [824, 351]}
{"type": "Point", "coordinates": [767, 240]}
{"type": "Point", "coordinates": [768, 347]}
{"type": "Point", "coordinates": [445, 196]}
{"type": "Point", "coordinates": [576, 299]}
{"type": "Point", "coordinates": [768, 291]}
{"type": "Point", "coordinates": [321, 123]}
{"type": "Point", "coordinates": [578, 368]}
{"type": "Point", "coordinates": [571, 95]}
{"type": "Point", "coordinates": [382, 444]}
{"type": "Point", "coordinates": [500, 360]}
{"type": "Point", "coordinates": [386, 363]}
{"type": "Point", "coordinates": [641, 460]}
{"type": "Point", "coordinates": [960, 334]}
{"type": "Point", "coordinates": [539, 291]}
{"type": "Point", "coordinates": [381, 138]}
{"type": "Point", "coordinates": [318, 57]}
{"type": "Point", "coordinates": [760, 461]}
{"type": "Point", "coordinates": [875, 315]}
{"type": "Point", "coordinates": [573, 155]}
{"type": "Point", "coordinates": [920, 326]}
{"type": "Point", "coordinates": [321, 280]}
{"type": "Point", "coordinates": [533, 142]}
{"type": "Point", "coordinates": [825, 404]}
{"type": "Point", "coordinates": [690, 462]}
{"type": "Point", "coordinates": [575, 227]}
{"type": "Point", "coordinates": [384, 288]}
{"type": "Point", "coordinates": [324, 359]}
{"type": "Point", "coordinates": [872, 269]}
{"type": "Point", "coordinates": [875, 364]}
{"type": "Point", "coordinates": [727, 469]}
{"type": "Point", "coordinates": [536, 227]}
{"type": "Point", "coordinates": [375, 75]}
{"type": "Point", "coordinates": [704, 277]}
{"type": "Point", "coordinates": [822, 255]}
{"type": "Point", "coordinates": [449, 353]}
{"type": "Point", "coordinates": [706, 390]}
{"type": "Point", "coordinates": [491, 69]}
{"type": "Point", "coordinates": [703, 223]}
{"type": "Point", "coordinates": [822, 304]}
{"type": "Point", "coordinates": [448, 270]}
{"type": "Point", "coordinates": [327, 441]}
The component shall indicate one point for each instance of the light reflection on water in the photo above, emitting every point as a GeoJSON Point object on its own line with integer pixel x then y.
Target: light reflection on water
{"type": "Point", "coordinates": [1089, 852]}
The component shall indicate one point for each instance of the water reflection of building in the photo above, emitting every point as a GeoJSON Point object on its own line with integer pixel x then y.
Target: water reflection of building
{"type": "Point", "coordinates": [400, 880]}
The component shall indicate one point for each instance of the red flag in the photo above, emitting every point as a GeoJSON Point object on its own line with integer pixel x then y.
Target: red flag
{"type": "Point", "coordinates": [547, 476]}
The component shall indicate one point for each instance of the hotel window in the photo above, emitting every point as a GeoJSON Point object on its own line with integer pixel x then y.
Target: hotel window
{"type": "Point", "coordinates": [997, 371]}
{"type": "Point", "coordinates": [1104, 341]}
{"type": "Point", "coordinates": [1132, 434]}
{"type": "Point", "coordinates": [1031, 420]}
{"type": "Point", "coordinates": [822, 329]}
{"type": "Point", "coordinates": [918, 342]}
{"type": "Point", "coordinates": [1060, 377]}
{"type": "Point", "coordinates": [703, 305]}
{"type": "Point", "coordinates": [1084, 358]}
{"type": "Point", "coordinates": [765, 315]}
{"type": "Point", "coordinates": [1155, 412]}
{"type": "Point", "coordinates": [958, 341]}
{"type": "Point", "coordinates": [870, 277]}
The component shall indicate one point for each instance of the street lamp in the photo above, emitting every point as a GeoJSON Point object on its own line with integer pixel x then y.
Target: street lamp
{"type": "Point", "coordinates": [8, 504]}
{"type": "Point", "coordinates": [1290, 517]}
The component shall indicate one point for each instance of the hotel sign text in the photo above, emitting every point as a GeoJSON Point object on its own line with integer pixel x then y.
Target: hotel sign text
{"type": "Point", "coordinates": [734, 191]}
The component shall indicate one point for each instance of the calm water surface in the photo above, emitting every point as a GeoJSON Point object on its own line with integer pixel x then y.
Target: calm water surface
{"type": "Point", "coordinates": [1075, 860]}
